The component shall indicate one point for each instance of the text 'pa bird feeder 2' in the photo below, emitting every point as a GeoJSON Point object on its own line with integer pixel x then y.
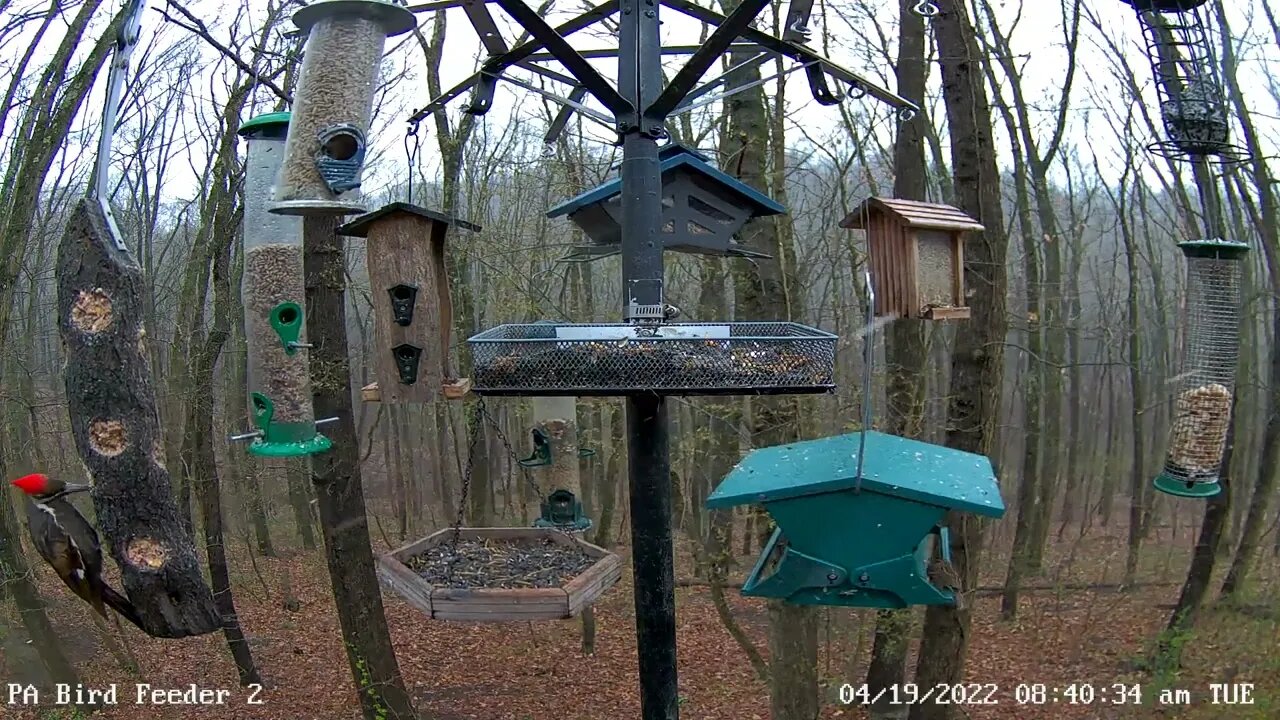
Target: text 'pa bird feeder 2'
{"type": "Point", "coordinates": [333, 104]}
{"type": "Point", "coordinates": [916, 254]}
{"type": "Point", "coordinates": [279, 374]}
{"type": "Point", "coordinates": [702, 209]}
{"type": "Point", "coordinates": [412, 309]}
{"type": "Point", "coordinates": [500, 574]}
{"type": "Point", "coordinates": [1211, 349]}
{"type": "Point", "coordinates": [841, 541]}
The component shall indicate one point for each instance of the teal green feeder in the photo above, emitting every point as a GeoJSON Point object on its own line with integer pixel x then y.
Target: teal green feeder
{"type": "Point", "coordinates": [561, 509]}
{"type": "Point", "coordinates": [283, 439]}
{"type": "Point", "coordinates": [541, 456]}
{"type": "Point", "coordinates": [841, 542]}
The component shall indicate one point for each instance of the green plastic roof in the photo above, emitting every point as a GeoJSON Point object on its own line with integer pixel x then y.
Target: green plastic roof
{"type": "Point", "coordinates": [263, 122]}
{"type": "Point", "coordinates": [895, 466]}
{"type": "Point", "coordinates": [1224, 249]}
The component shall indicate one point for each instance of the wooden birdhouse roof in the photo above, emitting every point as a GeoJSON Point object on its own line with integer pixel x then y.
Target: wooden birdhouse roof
{"type": "Point", "coordinates": [895, 466]}
{"type": "Point", "coordinates": [927, 216]}
{"type": "Point", "coordinates": [359, 227]}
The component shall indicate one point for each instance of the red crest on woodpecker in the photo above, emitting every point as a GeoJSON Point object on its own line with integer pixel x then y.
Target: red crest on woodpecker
{"type": "Point", "coordinates": [32, 484]}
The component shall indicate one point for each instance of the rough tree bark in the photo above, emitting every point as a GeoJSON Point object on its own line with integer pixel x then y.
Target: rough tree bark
{"type": "Point", "coordinates": [977, 362]}
{"type": "Point", "coordinates": [905, 350]}
{"type": "Point", "coordinates": [337, 479]}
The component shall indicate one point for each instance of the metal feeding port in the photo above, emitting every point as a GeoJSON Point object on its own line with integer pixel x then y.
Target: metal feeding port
{"type": "Point", "coordinates": [746, 358]}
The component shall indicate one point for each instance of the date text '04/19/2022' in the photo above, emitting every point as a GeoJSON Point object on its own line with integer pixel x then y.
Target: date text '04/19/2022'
{"type": "Point", "coordinates": [138, 694]}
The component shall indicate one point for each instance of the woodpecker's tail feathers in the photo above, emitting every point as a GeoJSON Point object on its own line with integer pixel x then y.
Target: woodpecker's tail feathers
{"type": "Point", "coordinates": [121, 604]}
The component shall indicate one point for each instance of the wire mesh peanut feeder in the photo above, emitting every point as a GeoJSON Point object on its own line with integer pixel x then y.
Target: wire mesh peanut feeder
{"type": "Point", "coordinates": [279, 374]}
{"type": "Point", "coordinates": [333, 104]}
{"type": "Point", "coordinates": [1211, 348]}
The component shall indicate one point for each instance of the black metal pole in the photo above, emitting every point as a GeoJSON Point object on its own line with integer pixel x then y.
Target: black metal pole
{"type": "Point", "coordinates": [648, 453]}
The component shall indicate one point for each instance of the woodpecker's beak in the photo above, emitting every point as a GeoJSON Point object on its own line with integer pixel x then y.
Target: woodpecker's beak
{"type": "Point", "coordinates": [74, 488]}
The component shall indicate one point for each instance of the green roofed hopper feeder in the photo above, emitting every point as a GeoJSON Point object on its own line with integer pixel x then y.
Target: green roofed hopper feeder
{"type": "Point", "coordinates": [859, 544]}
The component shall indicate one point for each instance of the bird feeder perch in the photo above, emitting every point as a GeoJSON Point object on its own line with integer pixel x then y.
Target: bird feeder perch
{"type": "Point", "coordinates": [333, 104]}
{"type": "Point", "coordinates": [916, 253]}
{"type": "Point", "coordinates": [412, 309]}
{"type": "Point", "coordinates": [492, 604]}
{"type": "Point", "coordinates": [279, 373]}
{"type": "Point", "coordinates": [1192, 100]}
{"type": "Point", "coordinates": [702, 210]}
{"type": "Point", "coordinates": [1211, 349]}
{"type": "Point", "coordinates": [859, 544]}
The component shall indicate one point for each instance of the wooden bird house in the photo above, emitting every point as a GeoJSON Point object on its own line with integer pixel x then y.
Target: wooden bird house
{"type": "Point", "coordinates": [412, 310]}
{"type": "Point", "coordinates": [916, 254]}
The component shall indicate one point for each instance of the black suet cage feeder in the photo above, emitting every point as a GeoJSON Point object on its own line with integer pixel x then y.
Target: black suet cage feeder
{"type": "Point", "coordinates": [1192, 106]}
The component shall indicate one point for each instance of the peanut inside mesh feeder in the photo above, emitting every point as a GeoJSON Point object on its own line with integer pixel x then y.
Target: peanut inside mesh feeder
{"type": "Point", "coordinates": [325, 152]}
{"type": "Point", "coordinates": [279, 375]}
{"type": "Point", "coordinates": [540, 359]}
{"type": "Point", "coordinates": [1202, 413]}
{"type": "Point", "coordinates": [500, 574]}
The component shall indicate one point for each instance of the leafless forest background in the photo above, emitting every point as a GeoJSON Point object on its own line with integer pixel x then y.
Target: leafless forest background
{"type": "Point", "coordinates": [1091, 576]}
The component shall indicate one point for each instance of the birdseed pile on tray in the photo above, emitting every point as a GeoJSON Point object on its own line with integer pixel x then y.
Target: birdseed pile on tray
{"type": "Point", "coordinates": [490, 563]}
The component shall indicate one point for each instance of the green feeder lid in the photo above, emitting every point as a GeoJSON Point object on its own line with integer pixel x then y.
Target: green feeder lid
{"type": "Point", "coordinates": [274, 124]}
{"type": "Point", "coordinates": [1221, 249]}
{"type": "Point", "coordinates": [1179, 487]}
{"type": "Point", "coordinates": [895, 466]}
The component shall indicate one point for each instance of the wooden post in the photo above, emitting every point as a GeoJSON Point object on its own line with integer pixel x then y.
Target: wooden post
{"type": "Point", "coordinates": [112, 403]}
{"type": "Point", "coordinates": [405, 249]}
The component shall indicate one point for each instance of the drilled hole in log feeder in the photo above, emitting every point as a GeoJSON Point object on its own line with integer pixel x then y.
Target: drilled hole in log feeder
{"type": "Point", "coordinates": [157, 453]}
{"type": "Point", "coordinates": [142, 337]}
{"type": "Point", "coordinates": [147, 554]}
{"type": "Point", "coordinates": [538, 562]}
{"type": "Point", "coordinates": [108, 437]}
{"type": "Point", "coordinates": [91, 312]}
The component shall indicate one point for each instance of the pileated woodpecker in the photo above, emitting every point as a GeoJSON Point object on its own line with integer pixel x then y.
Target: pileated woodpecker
{"type": "Point", "coordinates": [66, 540]}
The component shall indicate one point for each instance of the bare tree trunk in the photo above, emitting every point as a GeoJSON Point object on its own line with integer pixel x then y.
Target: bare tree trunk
{"type": "Point", "coordinates": [976, 369]}
{"type": "Point", "coordinates": [339, 489]}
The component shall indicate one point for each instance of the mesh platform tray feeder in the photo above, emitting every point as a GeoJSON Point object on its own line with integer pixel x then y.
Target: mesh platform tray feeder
{"type": "Point", "coordinates": [764, 358]}
{"type": "Point", "coordinates": [484, 559]}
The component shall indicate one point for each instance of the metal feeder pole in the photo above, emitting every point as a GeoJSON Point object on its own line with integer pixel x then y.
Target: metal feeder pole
{"type": "Point", "coordinates": [648, 450]}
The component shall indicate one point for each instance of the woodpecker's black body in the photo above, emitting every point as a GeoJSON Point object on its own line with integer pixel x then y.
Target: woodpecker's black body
{"type": "Point", "coordinates": [66, 540]}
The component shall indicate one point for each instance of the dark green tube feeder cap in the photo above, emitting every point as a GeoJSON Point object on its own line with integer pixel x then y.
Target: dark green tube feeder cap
{"type": "Point", "coordinates": [1214, 249]}
{"type": "Point", "coordinates": [1178, 487]}
{"type": "Point", "coordinates": [270, 126]}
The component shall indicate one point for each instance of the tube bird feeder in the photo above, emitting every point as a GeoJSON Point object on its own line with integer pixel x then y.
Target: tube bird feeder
{"type": "Point", "coordinates": [1211, 349]}
{"type": "Point", "coordinates": [556, 452]}
{"type": "Point", "coordinates": [279, 375]}
{"type": "Point", "coordinates": [333, 105]}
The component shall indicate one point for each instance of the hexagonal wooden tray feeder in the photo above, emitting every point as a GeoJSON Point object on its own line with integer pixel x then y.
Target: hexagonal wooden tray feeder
{"type": "Point", "coordinates": [499, 604]}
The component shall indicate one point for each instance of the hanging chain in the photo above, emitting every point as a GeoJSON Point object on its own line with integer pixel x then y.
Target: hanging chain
{"type": "Point", "coordinates": [411, 143]}
{"type": "Point", "coordinates": [925, 9]}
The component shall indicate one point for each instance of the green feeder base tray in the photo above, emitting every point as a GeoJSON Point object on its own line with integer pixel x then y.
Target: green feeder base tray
{"type": "Point", "coordinates": [317, 444]}
{"type": "Point", "coordinates": [1171, 485]}
{"type": "Point", "coordinates": [579, 525]}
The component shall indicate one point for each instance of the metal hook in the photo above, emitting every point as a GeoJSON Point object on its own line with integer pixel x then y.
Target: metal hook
{"type": "Point", "coordinates": [924, 8]}
{"type": "Point", "coordinates": [906, 114]}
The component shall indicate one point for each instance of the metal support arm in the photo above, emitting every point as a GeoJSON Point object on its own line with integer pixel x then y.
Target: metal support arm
{"type": "Point", "coordinates": [130, 30]}
{"type": "Point", "coordinates": [553, 40]}
{"type": "Point", "coordinates": [517, 54]}
{"type": "Point", "coordinates": [697, 66]}
{"type": "Point", "coordinates": [794, 51]}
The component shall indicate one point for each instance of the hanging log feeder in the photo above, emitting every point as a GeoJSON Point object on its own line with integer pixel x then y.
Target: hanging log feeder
{"type": "Point", "coordinates": [500, 574]}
